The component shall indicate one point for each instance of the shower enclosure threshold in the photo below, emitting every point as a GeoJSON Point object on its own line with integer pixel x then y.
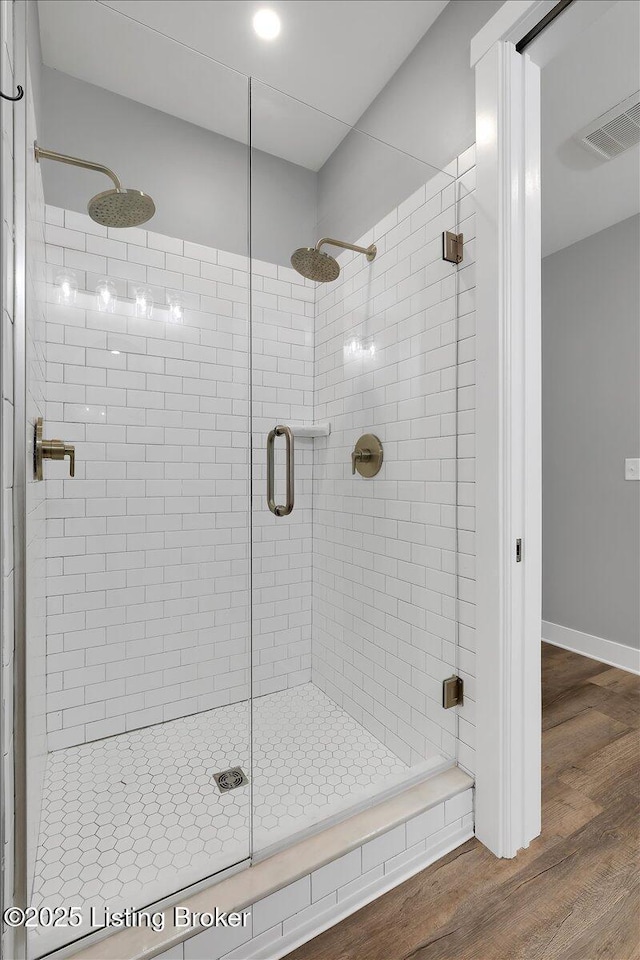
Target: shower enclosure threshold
{"type": "Point", "coordinates": [248, 884]}
{"type": "Point", "coordinates": [420, 773]}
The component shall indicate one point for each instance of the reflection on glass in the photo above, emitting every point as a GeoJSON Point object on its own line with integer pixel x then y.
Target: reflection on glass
{"type": "Point", "coordinates": [144, 303]}
{"type": "Point", "coordinates": [107, 296]}
{"type": "Point", "coordinates": [357, 349]}
{"type": "Point", "coordinates": [66, 288]}
{"type": "Point", "coordinates": [176, 308]}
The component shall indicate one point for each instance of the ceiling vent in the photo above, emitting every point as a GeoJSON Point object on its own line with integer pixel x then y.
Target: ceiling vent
{"type": "Point", "coordinates": [615, 131]}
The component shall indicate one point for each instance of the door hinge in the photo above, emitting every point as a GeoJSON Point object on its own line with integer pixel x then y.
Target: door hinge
{"type": "Point", "coordinates": [518, 550]}
{"type": "Point", "coordinates": [452, 692]}
{"type": "Point", "coordinates": [452, 247]}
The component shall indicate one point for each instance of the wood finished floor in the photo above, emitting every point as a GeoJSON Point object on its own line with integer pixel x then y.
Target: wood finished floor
{"type": "Point", "coordinates": [575, 893]}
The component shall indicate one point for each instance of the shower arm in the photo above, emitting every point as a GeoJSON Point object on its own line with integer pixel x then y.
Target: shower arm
{"type": "Point", "coordinates": [42, 154]}
{"type": "Point", "coordinates": [369, 252]}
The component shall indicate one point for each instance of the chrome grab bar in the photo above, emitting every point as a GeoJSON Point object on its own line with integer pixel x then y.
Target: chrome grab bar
{"type": "Point", "coordinates": [287, 433]}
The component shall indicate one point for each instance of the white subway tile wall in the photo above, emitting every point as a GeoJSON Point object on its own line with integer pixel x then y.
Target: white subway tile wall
{"type": "Point", "coordinates": [148, 552]}
{"type": "Point", "coordinates": [148, 545]}
{"type": "Point", "coordinates": [282, 393]}
{"type": "Point", "coordinates": [394, 356]}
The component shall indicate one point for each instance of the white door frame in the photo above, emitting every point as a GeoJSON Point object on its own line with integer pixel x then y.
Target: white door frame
{"type": "Point", "coordinates": [508, 481]}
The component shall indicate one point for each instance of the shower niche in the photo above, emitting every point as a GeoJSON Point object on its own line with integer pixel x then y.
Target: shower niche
{"type": "Point", "coordinates": [249, 592]}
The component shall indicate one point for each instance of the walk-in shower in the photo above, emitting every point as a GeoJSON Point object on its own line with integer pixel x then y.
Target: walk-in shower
{"type": "Point", "coordinates": [241, 608]}
{"type": "Point", "coordinates": [315, 264]}
{"type": "Point", "coordinates": [119, 207]}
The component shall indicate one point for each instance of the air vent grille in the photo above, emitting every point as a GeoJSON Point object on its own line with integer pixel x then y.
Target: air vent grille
{"type": "Point", "coordinates": [615, 131]}
{"type": "Point", "coordinates": [634, 113]}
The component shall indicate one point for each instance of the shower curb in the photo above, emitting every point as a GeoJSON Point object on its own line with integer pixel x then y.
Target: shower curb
{"type": "Point", "coordinates": [248, 886]}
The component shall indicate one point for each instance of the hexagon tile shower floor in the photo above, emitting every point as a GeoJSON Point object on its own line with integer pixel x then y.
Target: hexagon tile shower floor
{"type": "Point", "coordinates": [130, 819]}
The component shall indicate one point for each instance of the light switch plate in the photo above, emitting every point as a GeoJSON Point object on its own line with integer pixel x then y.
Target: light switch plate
{"type": "Point", "coordinates": [632, 468]}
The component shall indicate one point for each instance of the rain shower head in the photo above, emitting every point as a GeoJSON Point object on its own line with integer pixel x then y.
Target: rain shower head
{"type": "Point", "coordinates": [121, 208]}
{"type": "Point", "coordinates": [112, 208]}
{"type": "Point", "coordinates": [314, 264]}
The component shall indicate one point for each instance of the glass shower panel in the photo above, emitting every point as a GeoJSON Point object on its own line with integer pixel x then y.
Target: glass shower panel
{"type": "Point", "coordinates": [139, 336]}
{"type": "Point", "coordinates": [354, 375]}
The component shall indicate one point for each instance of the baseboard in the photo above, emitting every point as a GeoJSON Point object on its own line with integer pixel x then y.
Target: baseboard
{"type": "Point", "coordinates": [606, 651]}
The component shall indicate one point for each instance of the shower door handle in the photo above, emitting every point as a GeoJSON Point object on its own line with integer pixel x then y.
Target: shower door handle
{"type": "Point", "coordinates": [282, 510]}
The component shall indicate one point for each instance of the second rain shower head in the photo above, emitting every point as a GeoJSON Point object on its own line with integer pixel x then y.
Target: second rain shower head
{"type": "Point", "coordinates": [111, 208]}
{"type": "Point", "coordinates": [314, 264]}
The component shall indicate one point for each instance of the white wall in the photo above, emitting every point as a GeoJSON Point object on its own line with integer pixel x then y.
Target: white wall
{"type": "Point", "coordinates": [590, 424]}
{"type": "Point", "coordinates": [199, 180]}
{"type": "Point", "coordinates": [148, 545]}
{"type": "Point", "coordinates": [388, 361]}
{"type": "Point", "coordinates": [581, 193]}
{"type": "Point", "coordinates": [427, 110]}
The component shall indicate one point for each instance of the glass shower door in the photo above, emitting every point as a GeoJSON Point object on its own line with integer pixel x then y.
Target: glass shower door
{"type": "Point", "coordinates": [354, 376]}
{"type": "Point", "coordinates": [137, 337]}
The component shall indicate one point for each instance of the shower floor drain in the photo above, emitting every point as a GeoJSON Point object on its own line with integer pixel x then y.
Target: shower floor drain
{"type": "Point", "coordinates": [230, 779]}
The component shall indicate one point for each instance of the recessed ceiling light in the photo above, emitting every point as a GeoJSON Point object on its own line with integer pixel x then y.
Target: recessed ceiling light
{"type": "Point", "coordinates": [266, 24]}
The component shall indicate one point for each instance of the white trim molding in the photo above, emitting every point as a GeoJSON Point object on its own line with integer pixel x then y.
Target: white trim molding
{"type": "Point", "coordinates": [515, 18]}
{"type": "Point", "coordinates": [508, 450]}
{"type": "Point", "coordinates": [511, 22]}
{"type": "Point", "coordinates": [597, 648]}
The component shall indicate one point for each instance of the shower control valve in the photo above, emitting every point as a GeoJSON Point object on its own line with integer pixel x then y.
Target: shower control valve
{"type": "Point", "coordinates": [366, 456]}
{"type": "Point", "coordinates": [359, 456]}
{"type": "Point", "coordinates": [51, 450]}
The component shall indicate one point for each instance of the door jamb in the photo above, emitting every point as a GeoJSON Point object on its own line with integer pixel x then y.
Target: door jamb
{"type": "Point", "coordinates": [508, 482]}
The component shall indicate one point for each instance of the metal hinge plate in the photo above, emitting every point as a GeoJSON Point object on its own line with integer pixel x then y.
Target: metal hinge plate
{"type": "Point", "coordinates": [452, 692]}
{"type": "Point", "coordinates": [452, 244]}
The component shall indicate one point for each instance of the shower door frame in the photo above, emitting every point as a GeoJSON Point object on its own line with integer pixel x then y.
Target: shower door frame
{"type": "Point", "coordinates": [20, 160]}
{"type": "Point", "coordinates": [508, 481]}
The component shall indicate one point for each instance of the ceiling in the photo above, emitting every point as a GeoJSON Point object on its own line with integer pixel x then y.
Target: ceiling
{"type": "Point", "coordinates": [336, 56]}
{"type": "Point", "coordinates": [599, 68]}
